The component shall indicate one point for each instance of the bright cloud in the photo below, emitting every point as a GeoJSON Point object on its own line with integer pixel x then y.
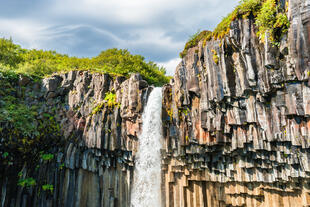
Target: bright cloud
{"type": "Point", "coordinates": [170, 65]}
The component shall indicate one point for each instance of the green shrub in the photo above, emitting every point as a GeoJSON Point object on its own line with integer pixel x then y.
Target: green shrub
{"type": "Point", "coordinates": [61, 166]}
{"type": "Point", "coordinates": [245, 9]}
{"type": "Point", "coordinates": [272, 20]}
{"type": "Point", "coordinates": [19, 116]}
{"type": "Point", "coordinates": [5, 154]}
{"type": "Point", "coordinates": [266, 18]}
{"type": "Point", "coordinates": [10, 54]}
{"type": "Point", "coordinates": [109, 99]}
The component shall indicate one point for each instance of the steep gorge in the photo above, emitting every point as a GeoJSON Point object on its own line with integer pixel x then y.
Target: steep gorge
{"type": "Point", "coordinates": [236, 128]}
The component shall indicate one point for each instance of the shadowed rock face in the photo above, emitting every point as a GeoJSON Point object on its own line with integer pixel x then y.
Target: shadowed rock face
{"type": "Point", "coordinates": [237, 132]}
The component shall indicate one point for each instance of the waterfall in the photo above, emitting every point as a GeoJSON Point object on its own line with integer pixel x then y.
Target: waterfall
{"type": "Point", "coordinates": [146, 184]}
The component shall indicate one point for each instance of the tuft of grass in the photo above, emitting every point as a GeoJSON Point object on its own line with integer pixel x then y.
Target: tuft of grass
{"type": "Point", "coordinates": [223, 27]}
{"type": "Point", "coordinates": [195, 39]}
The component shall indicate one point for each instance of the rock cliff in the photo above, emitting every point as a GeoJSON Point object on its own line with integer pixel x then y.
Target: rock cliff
{"type": "Point", "coordinates": [237, 119]}
{"type": "Point", "coordinates": [90, 161]}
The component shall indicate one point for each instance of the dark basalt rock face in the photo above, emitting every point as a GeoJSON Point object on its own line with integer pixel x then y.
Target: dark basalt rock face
{"type": "Point", "coordinates": [237, 131]}
{"type": "Point", "coordinates": [93, 165]}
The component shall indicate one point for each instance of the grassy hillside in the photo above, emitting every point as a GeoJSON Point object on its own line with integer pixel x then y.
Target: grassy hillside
{"type": "Point", "coordinates": [41, 63]}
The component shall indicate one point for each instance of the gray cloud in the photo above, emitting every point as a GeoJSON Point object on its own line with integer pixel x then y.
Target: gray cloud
{"type": "Point", "coordinates": [156, 29]}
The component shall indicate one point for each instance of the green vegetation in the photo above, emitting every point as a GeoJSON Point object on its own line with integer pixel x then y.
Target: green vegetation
{"type": "Point", "coordinates": [61, 166]}
{"type": "Point", "coordinates": [48, 187]}
{"type": "Point", "coordinates": [184, 111]}
{"type": "Point", "coordinates": [41, 63]}
{"type": "Point", "coordinates": [110, 97]}
{"type": "Point", "coordinates": [28, 130]}
{"type": "Point", "coordinates": [245, 9]}
{"type": "Point", "coordinates": [272, 20]}
{"type": "Point", "coordinates": [170, 113]}
{"type": "Point", "coordinates": [215, 57]}
{"type": "Point", "coordinates": [27, 182]}
{"type": "Point", "coordinates": [24, 128]}
{"type": "Point", "coordinates": [5, 155]}
{"type": "Point", "coordinates": [18, 115]}
{"type": "Point", "coordinates": [97, 108]}
{"type": "Point", "coordinates": [10, 54]}
{"type": "Point", "coordinates": [47, 157]}
{"type": "Point", "coordinates": [269, 17]}
{"type": "Point", "coordinates": [195, 39]}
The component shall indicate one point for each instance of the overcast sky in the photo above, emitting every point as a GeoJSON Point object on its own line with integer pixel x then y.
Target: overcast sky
{"type": "Point", "coordinates": [155, 29]}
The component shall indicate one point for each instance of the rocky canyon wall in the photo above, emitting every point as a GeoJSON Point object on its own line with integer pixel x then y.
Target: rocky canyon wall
{"type": "Point", "coordinates": [237, 120]}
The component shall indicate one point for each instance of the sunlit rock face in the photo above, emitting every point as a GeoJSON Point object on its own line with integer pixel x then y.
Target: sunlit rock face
{"type": "Point", "coordinates": [238, 131]}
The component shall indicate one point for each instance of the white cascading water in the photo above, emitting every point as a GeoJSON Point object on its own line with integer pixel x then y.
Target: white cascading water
{"type": "Point", "coordinates": [147, 178]}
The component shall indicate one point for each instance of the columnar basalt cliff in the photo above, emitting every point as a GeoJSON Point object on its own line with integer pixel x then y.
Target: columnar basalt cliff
{"type": "Point", "coordinates": [236, 127]}
{"type": "Point", "coordinates": [91, 162]}
{"type": "Point", "coordinates": [237, 120]}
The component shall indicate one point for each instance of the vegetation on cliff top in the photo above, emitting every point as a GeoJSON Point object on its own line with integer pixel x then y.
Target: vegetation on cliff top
{"type": "Point", "coordinates": [269, 15]}
{"type": "Point", "coordinates": [43, 63]}
{"type": "Point", "coordinates": [195, 39]}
